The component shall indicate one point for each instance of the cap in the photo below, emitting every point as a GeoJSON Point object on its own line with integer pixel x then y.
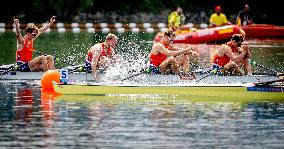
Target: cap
{"type": "Point", "coordinates": [217, 8]}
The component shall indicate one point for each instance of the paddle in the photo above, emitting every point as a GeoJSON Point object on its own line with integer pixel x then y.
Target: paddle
{"type": "Point", "coordinates": [13, 67]}
{"type": "Point", "coordinates": [254, 63]}
{"type": "Point", "coordinates": [140, 72]}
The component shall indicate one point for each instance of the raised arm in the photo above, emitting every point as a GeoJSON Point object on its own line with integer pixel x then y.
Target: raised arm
{"type": "Point", "coordinates": [44, 28]}
{"type": "Point", "coordinates": [20, 39]}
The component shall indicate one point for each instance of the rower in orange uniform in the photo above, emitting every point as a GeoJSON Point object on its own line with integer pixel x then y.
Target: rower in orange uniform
{"type": "Point", "coordinates": [25, 49]}
{"type": "Point", "coordinates": [101, 55]}
{"type": "Point", "coordinates": [231, 56]}
{"type": "Point", "coordinates": [165, 61]}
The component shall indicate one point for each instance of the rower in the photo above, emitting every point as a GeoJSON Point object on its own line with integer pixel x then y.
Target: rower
{"type": "Point", "coordinates": [165, 61]}
{"type": "Point", "coordinates": [101, 56]}
{"type": "Point", "coordinates": [25, 49]}
{"type": "Point", "coordinates": [230, 56]}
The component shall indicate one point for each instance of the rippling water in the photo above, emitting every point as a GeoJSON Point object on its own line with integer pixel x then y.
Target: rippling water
{"type": "Point", "coordinates": [33, 119]}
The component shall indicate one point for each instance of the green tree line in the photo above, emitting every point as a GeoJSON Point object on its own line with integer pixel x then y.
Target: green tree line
{"type": "Point", "coordinates": [39, 10]}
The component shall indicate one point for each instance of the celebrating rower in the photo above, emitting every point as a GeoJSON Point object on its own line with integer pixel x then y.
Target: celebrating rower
{"type": "Point", "coordinates": [230, 56]}
{"type": "Point", "coordinates": [163, 60]}
{"type": "Point", "coordinates": [25, 49]}
{"type": "Point", "coordinates": [101, 55]}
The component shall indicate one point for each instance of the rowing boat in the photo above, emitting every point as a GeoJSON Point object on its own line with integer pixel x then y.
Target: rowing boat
{"type": "Point", "coordinates": [83, 76]}
{"type": "Point", "coordinates": [213, 91]}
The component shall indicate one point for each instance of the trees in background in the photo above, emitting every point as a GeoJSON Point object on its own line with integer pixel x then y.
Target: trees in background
{"type": "Point", "coordinates": [67, 10]}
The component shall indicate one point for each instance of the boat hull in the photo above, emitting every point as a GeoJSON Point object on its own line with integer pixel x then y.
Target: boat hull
{"type": "Point", "coordinates": [263, 31]}
{"type": "Point", "coordinates": [217, 92]}
{"type": "Point", "coordinates": [82, 76]}
{"type": "Point", "coordinates": [208, 35]}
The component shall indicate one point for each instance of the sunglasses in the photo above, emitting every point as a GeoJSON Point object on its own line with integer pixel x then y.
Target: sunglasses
{"type": "Point", "coordinates": [34, 34]}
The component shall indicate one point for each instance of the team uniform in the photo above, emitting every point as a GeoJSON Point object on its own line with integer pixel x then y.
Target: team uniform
{"type": "Point", "coordinates": [220, 61]}
{"type": "Point", "coordinates": [156, 60]}
{"type": "Point", "coordinates": [24, 55]}
{"type": "Point", "coordinates": [89, 57]}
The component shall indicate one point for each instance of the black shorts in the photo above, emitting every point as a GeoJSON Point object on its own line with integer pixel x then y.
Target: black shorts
{"type": "Point", "coordinates": [23, 66]}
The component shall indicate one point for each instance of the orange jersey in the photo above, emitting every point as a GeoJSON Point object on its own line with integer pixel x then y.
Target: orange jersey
{"type": "Point", "coordinates": [90, 56]}
{"type": "Point", "coordinates": [222, 60]}
{"type": "Point", "coordinates": [156, 60]}
{"type": "Point", "coordinates": [26, 53]}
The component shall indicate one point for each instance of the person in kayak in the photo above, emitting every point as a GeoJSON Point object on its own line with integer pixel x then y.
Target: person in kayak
{"type": "Point", "coordinates": [24, 52]}
{"type": "Point", "coordinates": [244, 17]}
{"type": "Point", "coordinates": [229, 58]}
{"type": "Point", "coordinates": [218, 18]}
{"type": "Point", "coordinates": [165, 61]}
{"type": "Point", "coordinates": [101, 55]}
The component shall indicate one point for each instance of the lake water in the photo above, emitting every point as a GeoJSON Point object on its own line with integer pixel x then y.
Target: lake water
{"type": "Point", "coordinates": [31, 118]}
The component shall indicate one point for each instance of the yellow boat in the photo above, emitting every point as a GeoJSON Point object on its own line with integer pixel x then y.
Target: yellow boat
{"type": "Point", "coordinates": [217, 92]}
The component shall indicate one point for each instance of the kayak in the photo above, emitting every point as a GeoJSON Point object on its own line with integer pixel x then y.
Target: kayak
{"type": "Point", "coordinates": [207, 35]}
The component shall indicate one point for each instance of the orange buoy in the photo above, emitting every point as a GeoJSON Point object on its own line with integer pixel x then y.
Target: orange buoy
{"type": "Point", "coordinates": [48, 77]}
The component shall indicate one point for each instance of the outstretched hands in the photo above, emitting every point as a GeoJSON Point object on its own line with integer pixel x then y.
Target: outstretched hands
{"type": "Point", "coordinates": [191, 50]}
{"type": "Point", "coordinates": [52, 20]}
{"type": "Point", "coordinates": [16, 22]}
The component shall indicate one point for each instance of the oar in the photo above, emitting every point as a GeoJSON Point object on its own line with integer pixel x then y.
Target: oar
{"type": "Point", "coordinates": [253, 62]}
{"type": "Point", "coordinates": [11, 68]}
{"type": "Point", "coordinates": [129, 77]}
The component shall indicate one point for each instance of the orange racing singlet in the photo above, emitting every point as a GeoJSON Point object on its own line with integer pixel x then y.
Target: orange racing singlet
{"type": "Point", "coordinates": [156, 60]}
{"type": "Point", "coordinates": [90, 56]}
{"type": "Point", "coordinates": [222, 60]}
{"type": "Point", "coordinates": [26, 53]}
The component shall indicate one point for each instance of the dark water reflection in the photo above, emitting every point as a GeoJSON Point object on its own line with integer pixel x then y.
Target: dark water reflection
{"type": "Point", "coordinates": [31, 119]}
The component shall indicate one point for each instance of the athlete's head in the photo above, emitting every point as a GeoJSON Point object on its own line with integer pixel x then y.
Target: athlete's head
{"type": "Point", "coordinates": [111, 40]}
{"type": "Point", "coordinates": [32, 30]}
{"type": "Point", "coordinates": [238, 38]}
